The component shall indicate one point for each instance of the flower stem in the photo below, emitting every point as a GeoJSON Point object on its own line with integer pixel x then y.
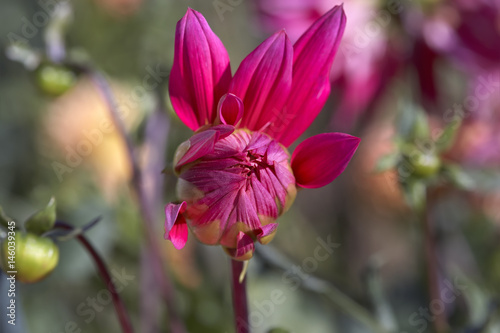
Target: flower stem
{"type": "Point", "coordinates": [121, 311]}
{"type": "Point", "coordinates": [440, 321]}
{"type": "Point", "coordinates": [240, 304]}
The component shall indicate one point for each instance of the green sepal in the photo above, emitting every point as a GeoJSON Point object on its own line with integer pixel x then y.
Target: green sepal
{"type": "Point", "coordinates": [278, 330]}
{"type": "Point", "coordinates": [420, 130]}
{"type": "Point", "coordinates": [387, 162]}
{"type": "Point", "coordinates": [415, 194]}
{"type": "Point", "coordinates": [43, 220]}
{"type": "Point", "coordinates": [458, 177]}
{"type": "Point", "coordinates": [4, 219]}
{"type": "Point", "coordinates": [447, 137]}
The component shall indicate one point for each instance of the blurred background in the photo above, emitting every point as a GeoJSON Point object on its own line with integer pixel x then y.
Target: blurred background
{"type": "Point", "coordinates": [405, 240]}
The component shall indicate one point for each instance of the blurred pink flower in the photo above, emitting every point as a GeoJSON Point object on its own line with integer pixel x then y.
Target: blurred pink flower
{"type": "Point", "coordinates": [235, 174]}
{"type": "Point", "coordinates": [365, 62]}
{"type": "Point", "coordinates": [478, 143]}
{"type": "Point", "coordinates": [467, 31]}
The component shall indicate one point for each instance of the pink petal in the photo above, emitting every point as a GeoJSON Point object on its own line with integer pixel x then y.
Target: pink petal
{"type": "Point", "coordinates": [244, 244]}
{"type": "Point", "coordinates": [203, 143]}
{"type": "Point", "coordinates": [200, 73]}
{"type": "Point", "coordinates": [317, 161]}
{"type": "Point", "coordinates": [263, 81]}
{"type": "Point", "coordinates": [176, 229]}
{"type": "Point", "coordinates": [266, 230]}
{"type": "Point", "coordinates": [230, 109]}
{"type": "Point", "coordinates": [313, 58]}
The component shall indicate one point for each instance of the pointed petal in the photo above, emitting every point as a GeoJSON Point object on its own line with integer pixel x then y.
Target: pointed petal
{"type": "Point", "coordinates": [176, 229]}
{"type": "Point", "coordinates": [317, 161]}
{"type": "Point", "coordinates": [313, 58]}
{"type": "Point", "coordinates": [200, 73]}
{"type": "Point", "coordinates": [263, 81]}
{"type": "Point", "coordinates": [266, 230]}
{"type": "Point", "coordinates": [230, 109]}
{"type": "Point", "coordinates": [244, 245]}
{"type": "Point", "coordinates": [201, 144]}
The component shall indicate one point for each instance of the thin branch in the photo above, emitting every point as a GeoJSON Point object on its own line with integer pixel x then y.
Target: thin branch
{"type": "Point", "coordinates": [121, 311]}
{"type": "Point", "coordinates": [146, 203]}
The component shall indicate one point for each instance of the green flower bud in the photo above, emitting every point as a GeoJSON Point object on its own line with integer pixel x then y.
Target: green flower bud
{"type": "Point", "coordinates": [32, 256]}
{"type": "Point", "coordinates": [54, 80]}
{"type": "Point", "coordinates": [421, 164]}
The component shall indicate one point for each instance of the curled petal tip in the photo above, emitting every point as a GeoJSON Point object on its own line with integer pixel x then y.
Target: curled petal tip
{"type": "Point", "coordinates": [230, 109]}
{"type": "Point", "coordinates": [176, 229]}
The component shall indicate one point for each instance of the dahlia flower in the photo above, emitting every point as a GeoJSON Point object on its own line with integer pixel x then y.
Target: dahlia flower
{"type": "Point", "coordinates": [235, 173]}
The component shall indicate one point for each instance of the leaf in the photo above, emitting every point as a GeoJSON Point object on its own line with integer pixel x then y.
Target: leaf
{"type": "Point", "coordinates": [387, 162]}
{"type": "Point", "coordinates": [63, 235]}
{"type": "Point", "coordinates": [459, 177]}
{"type": "Point", "coordinates": [447, 137]}
{"type": "Point", "coordinates": [415, 194]}
{"type": "Point", "coordinates": [43, 220]}
{"type": "Point", "coordinates": [4, 219]}
{"type": "Point", "coordinates": [420, 130]}
{"type": "Point", "coordinates": [278, 330]}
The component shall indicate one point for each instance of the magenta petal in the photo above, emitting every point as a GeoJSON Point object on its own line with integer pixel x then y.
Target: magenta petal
{"type": "Point", "coordinates": [244, 244]}
{"type": "Point", "coordinates": [230, 109]}
{"type": "Point", "coordinates": [203, 143]}
{"type": "Point", "coordinates": [317, 161]}
{"type": "Point", "coordinates": [176, 229]}
{"type": "Point", "coordinates": [313, 58]}
{"type": "Point", "coordinates": [200, 73]}
{"type": "Point", "coordinates": [263, 81]}
{"type": "Point", "coordinates": [266, 230]}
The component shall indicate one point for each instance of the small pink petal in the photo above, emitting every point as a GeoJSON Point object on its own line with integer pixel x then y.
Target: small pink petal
{"type": "Point", "coordinates": [203, 143]}
{"type": "Point", "coordinates": [200, 73]}
{"type": "Point", "coordinates": [176, 229]}
{"type": "Point", "coordinates": [266, 230]}
{"type": "Point", "coordinates": [244, 244]}
{"type": "Point", "coordinates": [263, 81]}
{"type": "Point", "coordinates": [230, 109]}
{"type": "Point", "coordinates": [313, 58]}
{"type": "Point", "coordinates": [318, 160]}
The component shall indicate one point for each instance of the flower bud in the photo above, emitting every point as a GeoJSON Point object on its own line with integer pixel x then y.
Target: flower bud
{"type": "Point", "coordinates": [31, 256]}
{"type": "Point", "coordinates": [54, 80]}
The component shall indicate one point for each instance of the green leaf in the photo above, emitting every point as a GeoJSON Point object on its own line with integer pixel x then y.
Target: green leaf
{"type": "Point", "coordinates": [42, 220]}
{"type": "Point", "coordinates": [278, 330]}
{"type": "Point", "coordinates": [420, 130]}
{"type": "Point", "coordinates": [458, 177]}
{"type": "Point", "coordinates": [447, 137]}
{"type": "Point", "coordinates": [387, 162]}
{"type": "Point", "coordinates": [415, 194]}
{"type": "Point", "coordinates": [4, 219]}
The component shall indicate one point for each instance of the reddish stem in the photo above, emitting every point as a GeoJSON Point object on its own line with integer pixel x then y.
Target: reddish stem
{"type": "Point", "coordinates": [240, 305]}
{"type": "Point", "coordinates": [121, 311]}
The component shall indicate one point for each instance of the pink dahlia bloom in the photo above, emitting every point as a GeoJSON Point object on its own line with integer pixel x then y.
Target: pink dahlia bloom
{"type": "Point", "coordinates": [235, 174]}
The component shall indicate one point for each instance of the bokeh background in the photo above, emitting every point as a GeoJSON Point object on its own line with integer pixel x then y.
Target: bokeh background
{"type": "Point", "coordinates": [439, 57]}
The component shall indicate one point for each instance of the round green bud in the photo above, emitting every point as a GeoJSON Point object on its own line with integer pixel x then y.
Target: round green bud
{"type": "Point", "coordinates": [32, 256]}
{"type": "Point", "coordinates": [422, 164]}
{"type": "Point", "coordinates": [54, 80]}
